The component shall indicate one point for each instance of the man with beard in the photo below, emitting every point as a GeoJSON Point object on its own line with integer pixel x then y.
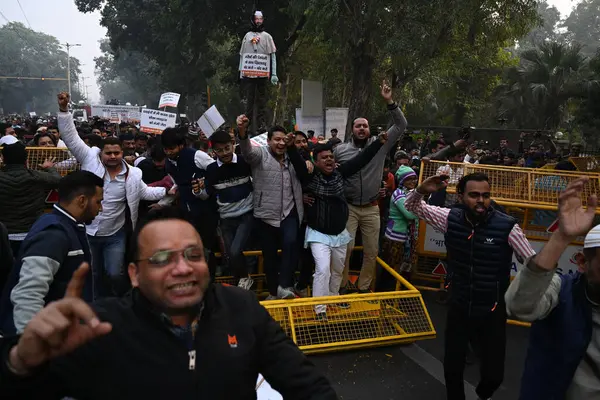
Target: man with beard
{"type": "Point", "coordinates": [480, 242]}
{"type": "Point", "coordinates": [363, 189]}
{"type": "Point", "coordinates": [123, 189]}
{"type": "Point", "coordinates": [54, 248]}
{"type": "Point", "coordinates": [563, 359]}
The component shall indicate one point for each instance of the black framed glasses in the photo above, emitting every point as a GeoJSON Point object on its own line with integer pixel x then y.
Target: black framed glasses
{"type": "Point", "coordinates": [167, 257]}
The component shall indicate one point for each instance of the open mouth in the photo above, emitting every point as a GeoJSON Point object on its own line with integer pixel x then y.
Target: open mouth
{"type": "Point", "coordinates": [182, 289]}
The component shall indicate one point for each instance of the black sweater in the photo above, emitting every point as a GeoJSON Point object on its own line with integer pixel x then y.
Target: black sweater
{"type": "Point", "coordinates": [142, 358]}
{"type": "Point", "coordinates": [329, 212]}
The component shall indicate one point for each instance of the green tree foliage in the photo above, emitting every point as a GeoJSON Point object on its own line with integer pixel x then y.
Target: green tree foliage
{"type": "Point", "coordinates": [539, 92]}
{"type": "Point", "coordinates": [546, 29]}
{"type": "Point", "coordinates": [127, 76]}
{"type": "Point", "coordinates": [587, 115]}
{"type": "Point", "coordinates": [28, 53]}
{"type": "Point", "coordinates": [584, 26]}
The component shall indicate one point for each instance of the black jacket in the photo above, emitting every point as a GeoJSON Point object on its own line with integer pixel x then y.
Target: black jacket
{"type": "Point", "coordinates": [142, 358]}
{"type": "Point", "coordinates": [479, 260]}
{"type": "Point", "coordinates": [22, 195]}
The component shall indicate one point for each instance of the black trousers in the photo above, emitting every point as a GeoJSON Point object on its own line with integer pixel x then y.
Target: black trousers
{"type": "Point", "coordinates": [488, 336]}
{"type": "Point", "coordinates": [255, 94]}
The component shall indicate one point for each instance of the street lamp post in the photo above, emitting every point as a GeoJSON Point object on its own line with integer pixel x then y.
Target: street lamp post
{"type": "Point", "coordinates": [69, 45]}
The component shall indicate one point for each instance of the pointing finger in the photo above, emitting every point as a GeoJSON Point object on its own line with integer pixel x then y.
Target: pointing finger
{"type": "Point", "coordinates": [78, 309]}
{"type": "Point", "coordinates": [77, 282]}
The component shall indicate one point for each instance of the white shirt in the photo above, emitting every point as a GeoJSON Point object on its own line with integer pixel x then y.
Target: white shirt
{"type": "Point", "coordinates": [112, 216]}
{"type": "Point", "coordinates": [8, 139]}
{"type": "Point", "coordinates": [61, 144]}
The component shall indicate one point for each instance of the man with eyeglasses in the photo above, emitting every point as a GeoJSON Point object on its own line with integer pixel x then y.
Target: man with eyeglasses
{"type": "Point", "coordinates": [480, 242]}
{"type": "Point", "coordinates": [173, 330]}
{"type": "Point", "coordinates": [229, 180]}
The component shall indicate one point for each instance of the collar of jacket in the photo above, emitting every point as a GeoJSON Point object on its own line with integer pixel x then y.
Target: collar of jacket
{"type": "Point", "coordinates": [14, 167]}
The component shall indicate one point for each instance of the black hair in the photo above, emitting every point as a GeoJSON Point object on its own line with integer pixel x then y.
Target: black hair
{"type": "Point", "coordinates": [14, 153]}
{"type": "Point", "coordinates": [94, 140]}
{"type": "Point", "coordinates": [321, 147]}
{"type": "Point", "coordinates": [141, 136]}
{"type": "Point", "coordinates": [111, 141]}
{"type": "Point", "coordinates": [126, 136]}
{"type": "Point", "coordinates": [162, 214]}
{"type": "Point", "coordinates": [38, 136]}
{"type": "Point", "coordinates": [434, 144]}
{"type": "Point", "coordinates": [589, 253]}
{"type": "Point", "coordinates": [172, 137]}
{"type": "Point", "coordinates": [220, 137]}
{"type": "Point", "coordinates": [78, 183]}
{"type": "Point", "coordinates": [274, 129]}
{"type": "Point", "coordinates": [488, 160]}
{"type": "Point", "coordinates": [157, 153]}
{"type": "Point", "coordinates": [296, 133]}
{"type": "Point", "coordinates": [476, 176]}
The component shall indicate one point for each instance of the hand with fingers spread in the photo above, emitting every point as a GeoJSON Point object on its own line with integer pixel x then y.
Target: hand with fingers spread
{"type": "Point", "coordinates": [58, 329]}
{"type": "Point", "coordinates": [433, 184]}
{"type": "Point", "coordinates": [573, 219]}
{"type": "Point", "coordinates": [48, 163]}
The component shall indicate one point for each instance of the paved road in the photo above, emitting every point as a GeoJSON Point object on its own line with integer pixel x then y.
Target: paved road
{"type": "Point", "coordinates": [415, 372]}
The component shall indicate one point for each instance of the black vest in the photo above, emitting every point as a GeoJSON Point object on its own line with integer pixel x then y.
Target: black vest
{"type": "Point", "coordinates": [479, 260]}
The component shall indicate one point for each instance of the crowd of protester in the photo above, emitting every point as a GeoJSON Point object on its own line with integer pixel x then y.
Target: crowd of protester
{"type": "Point", "coordinates": [140, 203]}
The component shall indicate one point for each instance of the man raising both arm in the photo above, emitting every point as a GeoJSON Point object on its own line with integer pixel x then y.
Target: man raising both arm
{"type": "Point", "coordinates": [362, 189]}
{"type": "Point", "coordinates": [563, 359]}
{"type": "Point", "coordinates": [480, 242]}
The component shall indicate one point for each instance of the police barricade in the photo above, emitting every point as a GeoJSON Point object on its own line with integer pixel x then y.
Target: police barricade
{"type": "Point", "coordinates": [529, 195]}
{"type": "Point", "coordinates": [365, 320]}
{"type": "Point", "coordinates": [64, 161]}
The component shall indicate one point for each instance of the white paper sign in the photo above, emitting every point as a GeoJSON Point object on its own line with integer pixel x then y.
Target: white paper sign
{"type": "Point", "coordinates": [567, 264]}
{"type": "Point", "coordinates": [210, 121]}
{"type": "Point", "coordinates": [32, 114]}
{"type": "Point", "coordinates": [256, 65]}
{"type": "Point", "coordinates": [126, 113]}
{"type": "Point", "coordinates": [336, 118]}
{"type": "Point", "coordinates": [154, 121]}
{"type": "Point", "coordinates": [169, 99]}
{"type": "Point", "coordinates": [259, 141]}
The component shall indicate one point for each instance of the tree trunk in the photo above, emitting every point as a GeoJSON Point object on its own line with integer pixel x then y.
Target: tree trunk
{"type": "Point", "coordinates": [362, 74]}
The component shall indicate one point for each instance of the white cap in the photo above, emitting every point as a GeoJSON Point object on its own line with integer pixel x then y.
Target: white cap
{"type": "Point", "coordinates": [258, 14]}
{"type": "Point", "coordinates": [592, 239]}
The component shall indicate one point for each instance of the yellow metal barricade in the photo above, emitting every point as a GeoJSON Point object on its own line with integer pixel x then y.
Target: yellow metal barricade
{"type": "Point", "coordinates": [64, 161]}
{"type": "Point", "coordinates": [516, 187]}
{"type": "Point", "coordinates": [354, 320]}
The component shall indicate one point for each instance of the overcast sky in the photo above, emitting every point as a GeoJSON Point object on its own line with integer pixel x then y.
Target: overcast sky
{"type": "Point", "coordinates": [60, 18]}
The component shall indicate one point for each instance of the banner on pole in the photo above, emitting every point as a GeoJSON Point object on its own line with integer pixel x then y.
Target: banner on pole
{"type": "Point", "coordinates": [155, 122]}
{"type": "Point", "coordinates": [126, 113]}
{"type": "Point", "coordinates": [169, 99]}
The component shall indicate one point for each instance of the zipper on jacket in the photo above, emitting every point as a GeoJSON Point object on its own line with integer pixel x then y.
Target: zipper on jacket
{"type": "Point", "coordinates": [472, 239]}
{"type": "Point", "coordinates": [192, 363]}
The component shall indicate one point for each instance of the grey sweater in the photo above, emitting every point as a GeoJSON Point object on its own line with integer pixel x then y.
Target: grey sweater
{"type": "Point", "coordinates": [532, 296]}
{"type": "Point", "coordinates": [363, 187]}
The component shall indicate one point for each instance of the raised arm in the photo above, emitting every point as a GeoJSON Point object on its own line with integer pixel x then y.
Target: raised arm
{"type": "Point", "coordinates": [535, 292]}
{"type": "Point", "coordinates": [434, 216]}
{"type": "Point", "coordinates": [297, 161]}
{"type": "Point", "coordinates": [252, 155]}
{"type": "Point", "coordinates": [357, 162]}
{"type": "Point", "coordinates": [69, 133]}
{"type": "Point", "coordinates": [397, 130]}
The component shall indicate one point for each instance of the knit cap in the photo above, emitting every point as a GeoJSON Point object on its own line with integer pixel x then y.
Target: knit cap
{"type": "Point", "coordinates": [592, 239]}
{"type": "Point", "coordinates": [403, 173]}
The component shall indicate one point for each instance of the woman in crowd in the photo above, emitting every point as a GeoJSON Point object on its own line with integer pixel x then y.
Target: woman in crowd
{"type": "Point", "coordinates": [43, 139]}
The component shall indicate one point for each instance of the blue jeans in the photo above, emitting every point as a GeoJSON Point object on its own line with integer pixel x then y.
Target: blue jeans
{"type": "Point", "coordinates": [108, 254]}
{"type": "Point", "coordinates": [287, 236]}
{"type": "Point", "coordinates": [236, 234]}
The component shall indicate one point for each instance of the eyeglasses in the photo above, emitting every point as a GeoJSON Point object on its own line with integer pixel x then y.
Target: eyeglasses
{"type": "Point", "coordinates": [166, 257]}
{"type": "Point", "coordinates": [224, 150]}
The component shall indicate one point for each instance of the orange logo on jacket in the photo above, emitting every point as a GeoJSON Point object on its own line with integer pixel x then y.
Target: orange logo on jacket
{"type": "Point", "coordinates": [233, 343]}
